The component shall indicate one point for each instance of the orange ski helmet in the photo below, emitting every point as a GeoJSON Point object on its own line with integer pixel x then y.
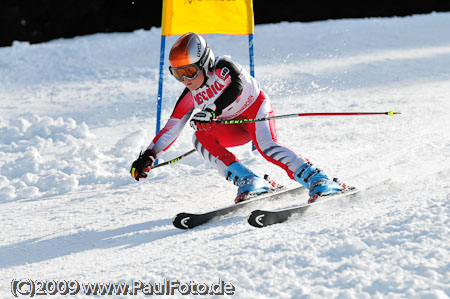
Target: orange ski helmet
{"type": "Point", "coordinates": [190, 54]}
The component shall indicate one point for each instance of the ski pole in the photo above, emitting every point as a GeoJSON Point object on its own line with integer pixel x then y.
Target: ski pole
{"type": "Point", "coordinates": [175, 159]}
{"type": "Point", "coordinates": [240, 121]}
{"type": "Point", "coordinates": [251, 120]}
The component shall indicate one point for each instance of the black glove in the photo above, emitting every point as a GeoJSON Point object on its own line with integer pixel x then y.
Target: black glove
{"type": "Point", "coordinates": [202, 121]}
{"type": "Point", "coordinates": [143, 164]}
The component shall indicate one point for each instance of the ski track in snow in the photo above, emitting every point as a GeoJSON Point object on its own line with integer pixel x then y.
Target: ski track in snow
{"type": "Point", "coordinates": [75, 112]}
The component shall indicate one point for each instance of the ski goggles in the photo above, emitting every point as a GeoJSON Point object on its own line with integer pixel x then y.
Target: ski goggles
{"type": "Point", "coordinates": [189, 71]}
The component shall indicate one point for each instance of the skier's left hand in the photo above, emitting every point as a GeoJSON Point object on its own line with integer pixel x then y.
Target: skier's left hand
{"type": "Point", "coordinates": [143, 164]}
{"type": "Point", "coordinates": [202, 121]}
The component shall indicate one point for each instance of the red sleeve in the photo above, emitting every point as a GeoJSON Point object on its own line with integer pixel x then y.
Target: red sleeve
{"type": "Point", "coordinates": [173, 127]}
{"type": "Point", "coordinates": [184, 105]}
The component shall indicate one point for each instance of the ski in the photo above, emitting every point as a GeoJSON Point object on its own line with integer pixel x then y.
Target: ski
{"type": "Point", "coordinates": [191, 220]}
{"type": "Point", "coordinates": [261, 218]}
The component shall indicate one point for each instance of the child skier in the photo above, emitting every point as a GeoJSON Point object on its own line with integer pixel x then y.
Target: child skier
{"type": "Point", "coordinates": [222, 89]}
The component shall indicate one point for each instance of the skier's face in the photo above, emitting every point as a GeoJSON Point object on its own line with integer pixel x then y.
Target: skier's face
{"type": "Point", "coordinates": [194, 83]}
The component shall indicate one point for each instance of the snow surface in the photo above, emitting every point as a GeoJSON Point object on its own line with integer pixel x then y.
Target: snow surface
{"type": "Point", "coordinates": [75, 112]}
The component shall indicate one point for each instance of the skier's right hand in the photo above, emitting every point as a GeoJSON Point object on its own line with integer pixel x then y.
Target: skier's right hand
{"type": "Point", "coordinates": [143, 164]}
{"type": "Point", "coordinates": [202, 121]}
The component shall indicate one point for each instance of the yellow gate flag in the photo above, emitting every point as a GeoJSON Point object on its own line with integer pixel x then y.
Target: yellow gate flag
{"type": "Point", "coordinates": [207, 17]}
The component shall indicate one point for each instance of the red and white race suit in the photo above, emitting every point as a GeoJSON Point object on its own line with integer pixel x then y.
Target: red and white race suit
{"type": "Point", "coordinates": [233, 94]}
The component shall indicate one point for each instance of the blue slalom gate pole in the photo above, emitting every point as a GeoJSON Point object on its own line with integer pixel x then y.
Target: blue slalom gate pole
{"type": "Point", "coordinates": [160, 86]}
{"type": "Point", "coordinates": [250, 51]}
{"type": "Point", "coordinates": [252, 65]}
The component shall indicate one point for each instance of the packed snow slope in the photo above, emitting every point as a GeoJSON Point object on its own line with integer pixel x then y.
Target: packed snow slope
{"type": "Point", "coordinates": [75, 113]}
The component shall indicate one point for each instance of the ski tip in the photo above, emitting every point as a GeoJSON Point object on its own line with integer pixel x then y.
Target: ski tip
{"type": "Point", "coordinates": [181, 221]}
{"type": "Point", "coordinates": [256, 218]}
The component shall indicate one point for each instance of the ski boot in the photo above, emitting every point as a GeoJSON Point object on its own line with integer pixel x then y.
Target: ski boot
{"type": "Point", "coordinates": [317, 182]}
{"type": "Point", "coordinates": [248, 182]}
